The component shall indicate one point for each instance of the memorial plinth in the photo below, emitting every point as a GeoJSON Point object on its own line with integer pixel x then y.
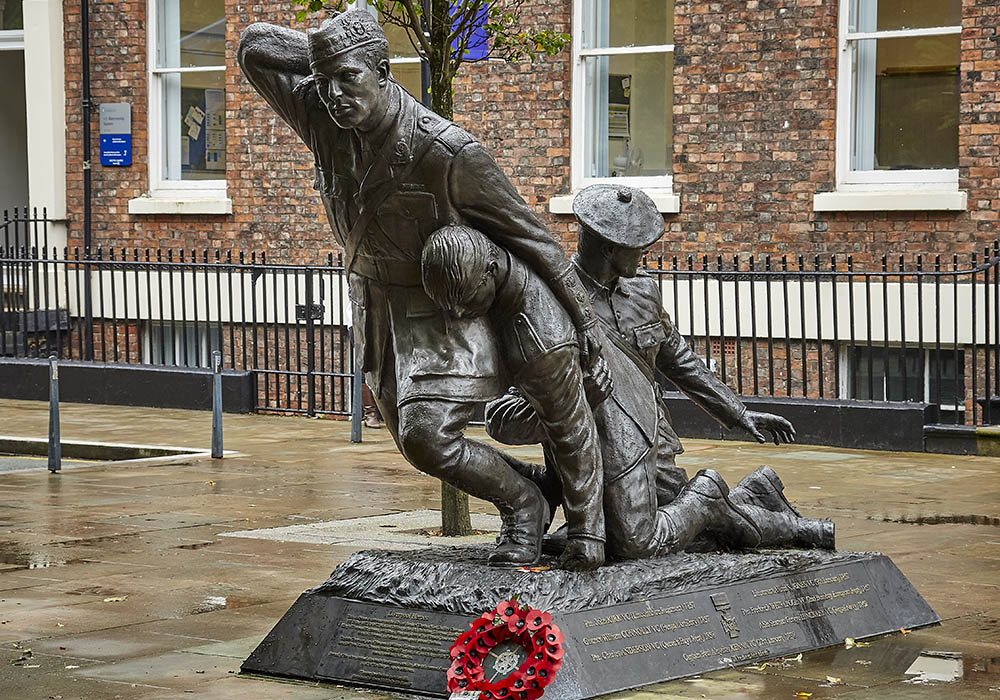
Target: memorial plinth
{"type": "Point", "coordinates": [387, 619]}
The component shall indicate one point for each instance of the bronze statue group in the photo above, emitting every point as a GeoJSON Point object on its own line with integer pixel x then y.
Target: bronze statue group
{"type": "Point", "coordinates": [461, 296]}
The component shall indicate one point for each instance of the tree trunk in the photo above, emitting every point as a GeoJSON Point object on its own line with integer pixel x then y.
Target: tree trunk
{"type": "Point", "coordinates": [455, 521]}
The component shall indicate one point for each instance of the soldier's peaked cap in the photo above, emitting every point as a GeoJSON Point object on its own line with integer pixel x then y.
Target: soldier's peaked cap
{"type": "Point", "coordinates": [621, 215]}
{"type": "Point", "coordinates": [344, 32]}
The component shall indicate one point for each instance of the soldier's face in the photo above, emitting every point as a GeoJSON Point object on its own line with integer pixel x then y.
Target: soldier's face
{"type": "Point", "coordinates": [351, 90]}
{"type": "Point", "coordinates": [624, 261]}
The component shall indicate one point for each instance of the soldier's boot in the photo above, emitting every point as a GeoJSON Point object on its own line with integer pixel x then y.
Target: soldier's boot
{"type": "Point", "coordinates": [523, 521]}
{"type": "Point", "coordinates": [556, 542]}
{"type": "Point", "coordinates": [703, 506]}
{"type": "Point", "coordinates": [763, 487]}
{"type": "Point", "coordinates": [546, 479]}
{"type": "Point", "coordinates": [581, 554]}
{"type": "Point", "coordinates": [785, 530]}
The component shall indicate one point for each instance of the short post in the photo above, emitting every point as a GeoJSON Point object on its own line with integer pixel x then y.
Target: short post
{"type": "Point", "coordinates": [217, 405]}
{"type": "Point", "coordinates": [55, 445]}
{"type": "Point", "coordinates": [356, 410]}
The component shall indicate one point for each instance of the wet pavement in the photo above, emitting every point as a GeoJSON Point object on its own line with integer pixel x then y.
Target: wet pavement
{"type": "Point", "coordinates": [154, 581]}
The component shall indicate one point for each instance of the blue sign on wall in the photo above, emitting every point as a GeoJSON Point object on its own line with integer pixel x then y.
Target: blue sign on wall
{"type": "Point", "coordinates": [116, 149]}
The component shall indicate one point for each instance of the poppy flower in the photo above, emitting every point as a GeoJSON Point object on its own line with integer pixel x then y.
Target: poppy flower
{"type": "Point", "coordinates": [553, 635]}
{"type": "Point", "coordinates": [537, 620]}
{"type": "Point", "coordinates": [517, 624]}
{"type": "Point", "coordinates": [507, 609]}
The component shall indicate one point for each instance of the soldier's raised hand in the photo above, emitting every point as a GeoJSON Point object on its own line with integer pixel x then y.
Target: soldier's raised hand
{"type": "Point", "coordinates": [757, 423]}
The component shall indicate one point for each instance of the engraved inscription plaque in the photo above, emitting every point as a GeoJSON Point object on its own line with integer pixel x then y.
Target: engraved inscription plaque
{"type": "Point", "coordinates": [386, 647]}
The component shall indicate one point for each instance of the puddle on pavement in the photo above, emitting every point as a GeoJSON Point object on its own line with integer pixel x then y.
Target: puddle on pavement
{"type": "Point", "coordinates": [936, 667]}
{"type": "Point", "coordinates": [16, 555]}
{"type": "Point", "coordinates": [214, 602]}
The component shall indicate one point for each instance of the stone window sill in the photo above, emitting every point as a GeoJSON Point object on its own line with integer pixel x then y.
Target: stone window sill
{"type": "Point", "coordinates": [666, 202]}
{"type": "Point", "coordinates": [180, 205]}
{"type": "Point", "coordinates": [902, 200]}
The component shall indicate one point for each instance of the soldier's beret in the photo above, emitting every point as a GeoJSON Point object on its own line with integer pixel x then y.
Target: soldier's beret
{"type": "Point", "coordinates": [344, 32]}
{"type": "Point", "coordinates": [621, 215]}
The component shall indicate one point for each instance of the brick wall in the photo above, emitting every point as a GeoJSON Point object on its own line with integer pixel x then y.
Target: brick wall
{"type": "Point", "coordinates": [754, 112]}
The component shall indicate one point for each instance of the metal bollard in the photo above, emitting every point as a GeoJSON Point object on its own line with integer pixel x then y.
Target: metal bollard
{"type": "Point", "coordinates": [55, 445]}
{"type": "Point", "coordinates": [356, 409]}
{"type": "Point", "coordinates": [217, 405]}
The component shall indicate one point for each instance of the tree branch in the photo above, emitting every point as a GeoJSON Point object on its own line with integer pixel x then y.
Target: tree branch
{"type": "Point", "coordinates": [415, 28]}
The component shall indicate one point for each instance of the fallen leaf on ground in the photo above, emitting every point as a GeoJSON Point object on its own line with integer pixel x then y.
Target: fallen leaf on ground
{"type": "Point", "coordinates": [803, 695]}
{"type": "Point", "coordinates": [905, 631]}
{"type": "Point", "coordinates": [115, 599]}
{"type": "Point", "coordinates": [71, 666]}
{"type": "Point", "coordinates": [852, 642]}
{"type": "Point", "coordinates": [863, 662]}
{"type": "Point", "coordinates": [833, 680]}
{"type": "Point", "coordinates": [535, 569]}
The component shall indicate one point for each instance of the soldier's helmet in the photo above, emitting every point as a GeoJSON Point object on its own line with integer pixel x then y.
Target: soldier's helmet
{"type": "Point", "coordinates": [620, 215]}
{"type": "Point", "coordinates": [343, 32]}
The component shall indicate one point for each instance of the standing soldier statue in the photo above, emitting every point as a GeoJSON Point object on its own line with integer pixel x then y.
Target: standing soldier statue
{"type": "Point", "coordinates": [390, 172]}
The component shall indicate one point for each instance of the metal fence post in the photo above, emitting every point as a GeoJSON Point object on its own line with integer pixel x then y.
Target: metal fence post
{"type": "Point", "coordinates": [217, 405]}
{"type": "Point", "coordinates": [55, 445]}
{"type": "Point", "coordinates": [356, 410]}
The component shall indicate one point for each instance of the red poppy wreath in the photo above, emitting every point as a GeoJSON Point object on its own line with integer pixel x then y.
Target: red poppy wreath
{"type": "Point", "coordinates": [510, 653]}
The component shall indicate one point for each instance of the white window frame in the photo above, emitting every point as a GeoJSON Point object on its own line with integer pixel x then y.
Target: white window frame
{"type": "Point", "coordinates": [12, 40]}
{"type": "Point", "coordinates": [876, 180]}
{"type": "Point", "coordinates": [660, 187]}
{"type": "Point", "coordinates": [176, 192]}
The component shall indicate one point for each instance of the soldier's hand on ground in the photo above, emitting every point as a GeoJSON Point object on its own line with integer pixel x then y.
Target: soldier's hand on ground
{"type": "Point", "coordinates": [597, 383]}
{"type": "Point", "coordinates": [758, 423]}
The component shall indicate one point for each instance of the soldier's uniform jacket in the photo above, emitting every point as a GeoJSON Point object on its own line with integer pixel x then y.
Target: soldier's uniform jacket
{"type": "Point", "coordinates": [633, 317]}
{"type": "Point", "coordinates": [384, 194]}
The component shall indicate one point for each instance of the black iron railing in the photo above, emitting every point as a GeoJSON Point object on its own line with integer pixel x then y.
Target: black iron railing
{"type": "Point", "coordinates": [919, 328]}
{"type": "Point", "coordinates": [289, 324]}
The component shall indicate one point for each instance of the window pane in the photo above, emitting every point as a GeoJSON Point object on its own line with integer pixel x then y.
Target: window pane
{"type": "Point", "coordinates": [194, 120]}
{"type": "Point", "coordinates": [906, 103]}
{"type": "Point", "coordinates": [884, 15]}
{"type": "Point", "coordinates": [190, 33]}
{"type": "Point", "coordinates": [408, 75]}
{"type": "Point", "coordinates": [628, 122]}
{"type": "Point", "coordinates": [399, 40]}
{"type": "Point", "coordinates": [10, 15]}
{"type": "Point", "coordinates": [627, 23]}
{"type": "Point", "coordinates": [949, 388]}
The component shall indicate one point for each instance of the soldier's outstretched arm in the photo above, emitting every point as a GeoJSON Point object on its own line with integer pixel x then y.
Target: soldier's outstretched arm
{"type": "Point", "coordinates": [689, 373]}
{"type": "Point", "coordinates": [276, 60]}
{"type": "Point", "coordinates": [489, 201]}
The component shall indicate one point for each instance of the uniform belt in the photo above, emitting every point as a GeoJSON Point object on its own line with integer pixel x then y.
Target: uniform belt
{"type": "Point", "coordinates": [404, 273]}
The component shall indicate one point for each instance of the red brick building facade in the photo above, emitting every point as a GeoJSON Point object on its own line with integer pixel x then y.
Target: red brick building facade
{"type": "Point", "coordinates": [754, 131]}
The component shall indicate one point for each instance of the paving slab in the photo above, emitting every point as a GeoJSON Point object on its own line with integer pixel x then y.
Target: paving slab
{"type": "Point", "coordinates": [210, 553]}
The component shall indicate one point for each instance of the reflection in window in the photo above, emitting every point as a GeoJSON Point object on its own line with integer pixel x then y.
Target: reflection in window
{"type": "Point", "coordinates": [626, 54]}
{"type": "Point", "coordinates": [10, 15]}
{"type": "Point", "coordinates": [905, 86]}
{"type": "Point", "coordinates": [190, 70]}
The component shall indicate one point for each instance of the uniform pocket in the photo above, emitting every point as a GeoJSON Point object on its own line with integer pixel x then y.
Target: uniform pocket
{"type": "Point", "coordinates": [650, 335]}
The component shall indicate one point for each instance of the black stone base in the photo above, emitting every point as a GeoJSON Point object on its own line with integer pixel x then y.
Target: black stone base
{"type": "Point", "coordinates": [387, 619]}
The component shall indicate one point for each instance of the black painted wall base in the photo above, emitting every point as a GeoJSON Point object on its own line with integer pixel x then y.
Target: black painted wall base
{"type": "Point", "coordinates": [862, 425]}
{"type": "Point", "coordinates": [387, 619]}
{"type": "Point", "coordinates": [127, 385]}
